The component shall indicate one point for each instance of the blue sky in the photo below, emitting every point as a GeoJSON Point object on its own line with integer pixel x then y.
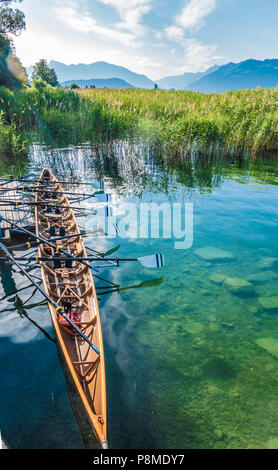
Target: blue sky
{"type": "Point", "coordinates": [154, 37]}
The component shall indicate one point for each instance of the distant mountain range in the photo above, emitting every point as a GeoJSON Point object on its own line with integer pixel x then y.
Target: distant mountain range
{"type": "Point", "coordinates": [99, 70]}
{"type": "Point", "coordinates": [99, 83]}
{"type": "Point", "coordinates": [247, 74]}
{"type": "Point", "coordinates": [244, 75]}
{"type": "Point", "coordinates": [181, 81]}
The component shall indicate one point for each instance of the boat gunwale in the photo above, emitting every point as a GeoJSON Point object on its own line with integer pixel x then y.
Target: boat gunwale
{"type": "Point", "coordinates": [99, 426]}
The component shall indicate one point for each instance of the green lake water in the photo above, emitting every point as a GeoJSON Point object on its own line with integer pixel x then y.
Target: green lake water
{"type": "Point", "coordinates": [191, 357]}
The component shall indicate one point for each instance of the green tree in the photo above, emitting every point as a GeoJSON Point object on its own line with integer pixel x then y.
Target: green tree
{"type": "Point", "coordinates": [11, 21]}
{"type": "Point", "coordinates": [73, 86]}
{"type": "Point", "coordinates": [41, 70]}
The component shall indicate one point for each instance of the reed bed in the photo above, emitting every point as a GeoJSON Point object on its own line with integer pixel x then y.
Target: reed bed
{"type": "Point", "coordinates": [236, 122]}
{"type": "Point", "coordinates": [233, 123]}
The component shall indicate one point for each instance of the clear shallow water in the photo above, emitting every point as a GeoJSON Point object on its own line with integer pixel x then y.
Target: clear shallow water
{"type": "Point", "coordinates": [190, 363]}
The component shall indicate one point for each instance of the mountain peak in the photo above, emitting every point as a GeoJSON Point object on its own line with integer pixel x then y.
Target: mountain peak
{"type": "Point", "coordinates": [247, 74]}
{"type": "Point", "coordinates": [99, 70]}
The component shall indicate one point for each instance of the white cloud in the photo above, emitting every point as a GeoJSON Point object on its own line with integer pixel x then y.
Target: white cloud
{"type": "Point", "coordinates": [198, 56]}
{"type": "Point", "coordinates": [175, 33]}
{"type": "Point", "coordinates": [193, 14]}
{"type": "Point", "coordinates": [85, 23]}
{"type": "Point", "coordinates": [131, 13]}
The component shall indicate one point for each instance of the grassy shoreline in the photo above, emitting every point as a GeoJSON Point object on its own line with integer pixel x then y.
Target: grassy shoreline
{"type": "Point", "coordinates": [232, 123]}
{"type": "Point", "coordinates": [236, 122]}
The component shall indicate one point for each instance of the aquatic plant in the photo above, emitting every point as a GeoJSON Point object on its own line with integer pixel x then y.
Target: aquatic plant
{"type": "Point", "coordinates": [234, 123]}
{"type": "Point", "coordinates": [238, 121]}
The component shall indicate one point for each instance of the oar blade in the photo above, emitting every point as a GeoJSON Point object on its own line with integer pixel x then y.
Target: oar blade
{"type": "Point", "coordinates": [104, 197]}
{"type": "Point", "coordinates": [152, 261]}
{"type": "Point", "coordinates": [110, 252]}
{"type": "Point", "coordinates": [151, 282]}
{"type": "Point", "coordinates": [98, 185]}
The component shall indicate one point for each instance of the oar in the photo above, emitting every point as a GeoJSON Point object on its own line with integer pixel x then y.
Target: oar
{"type": "Point", "coordinates": [55, 247]}
{"type": "Point", "coordinates": [8, 190]}
{"type": "Point", "coordinates": [15, 292]}
{"type": "Point", "coordinates": [29, 244]}
{"type": "Point", "coordinates": [143, 284]}
{"type": "Point", "coordinates": [52, 204]}
{"type": "Point", "coordinates": [109, 252]}
{"type": "Point", "coordinates": [19, 305]}
{"type": "Point", "coordinates": [31, 190]}
{"type": "Point", "coordinates": [43, 241]}
{"type": "Point", "coordinates": [96, 184]}
{"type": "Point", "coordinates": [50, 300]}
{"type": "Point", "coordinates": [152, 261]}
{"type": "Point", "coordinates": [8, 181]}
{"type": "Point", "coordinates": [100, 198]}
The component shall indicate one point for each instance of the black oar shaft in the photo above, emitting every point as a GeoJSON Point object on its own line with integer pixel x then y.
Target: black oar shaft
{"type": "Point", "coordinates": [60, 258]}
{"type": "Point", "coordinates": [8, 190]}
{"type": "Point", "coordinates": [51, 204]}
{"type": "Point", "coordinates": [55, 247]}
{"type": "Point", "coordinates": [52, 182]}
{"type": "Point", "coordinates": [43, 241]}
{"type": "Point", "coordinates": [54, 191]}
{"type": "Point", "coordinates": [50, 300]}
{"type": "Point", "coordinates": [27, 245]}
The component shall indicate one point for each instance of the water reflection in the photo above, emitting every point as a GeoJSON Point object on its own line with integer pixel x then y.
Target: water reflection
{"type": "Point", "coordinates": [187, 355]}
{"type": "Point", "coordinates": [137, 168]}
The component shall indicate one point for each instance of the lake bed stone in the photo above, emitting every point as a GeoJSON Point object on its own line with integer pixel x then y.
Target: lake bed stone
{"type": "Point", "coordinates": [211, 253]}
{"type": "Point", "coordinates": [193, 327]}
{"type": "Point", "coordinates": [267, 263]}
{"type": "Point", "coordinates": [253, 309]}
{"type": "Point", "coordinates": [269, 303]}
{"type": "Point", "coordinates": [239, 286]}
{"type": "Point", "coordinates": [217, 278]}
{"type": "Point", "coordinates": [263, 276]}
{"type": "Point", "coordinates": [269, 344]}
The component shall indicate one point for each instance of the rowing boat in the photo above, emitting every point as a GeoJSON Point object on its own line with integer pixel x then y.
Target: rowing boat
{"type": "Point", "coordinates": [71, 286]}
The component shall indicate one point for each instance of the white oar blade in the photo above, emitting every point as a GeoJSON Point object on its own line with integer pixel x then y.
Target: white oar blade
{"type": "Point", "coordinates": [98, 185]}
{"type": "Point", "coordinates": [103, 198]}
{"type": "Point", "coordinates": [109, 211]}
{"type": "Point", "coordinates": [152, 261]}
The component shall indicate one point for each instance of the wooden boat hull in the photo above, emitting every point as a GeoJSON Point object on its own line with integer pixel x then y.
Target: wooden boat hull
{"type": "Point", "coordinates": [73, 288]}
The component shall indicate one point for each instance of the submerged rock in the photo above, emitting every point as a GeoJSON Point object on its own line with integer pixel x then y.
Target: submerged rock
{"type": "Point", "coordinates": [270, 344]}
{"type": "Point", "coordinates": [263, 276]}
{"type": "Point", "coordinates": [239, 286]}
{"type": "Point", "coordinates": [211, 253]}
{"type": "Point", "coordinates": [217, 278]}
{"type": "Point", "coordinates": [218, 369]}
{"type": "Point", "coordinates": [267, 263]}
{"type": "Point", "coordinates": [214, 390]}
{"type": "Point", "coordinates": [269, 303]}
{"type": "Point", "coordinates": [253, 309]}
{"type": "Point", "coordinates": [193, 327]}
